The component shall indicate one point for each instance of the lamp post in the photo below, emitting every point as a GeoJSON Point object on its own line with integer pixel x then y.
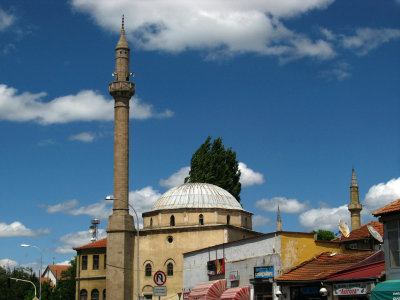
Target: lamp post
{"type": "Point", "coordinates": [40, 271]}
{"type": "Point", "coordinates": [111, 198]}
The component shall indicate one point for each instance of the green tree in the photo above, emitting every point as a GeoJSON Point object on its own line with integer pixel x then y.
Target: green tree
{"type": "Point", "coordinates": [216, 165]}
{"type": "Point", "coordinates": [325, 235]}
{"type": "Point", "coordinates": [65, 288]}
{"type": "Point", "coordinates": [17, 290]}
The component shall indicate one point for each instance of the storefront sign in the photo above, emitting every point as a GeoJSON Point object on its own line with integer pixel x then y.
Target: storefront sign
{"type": "Point", "coordinates": [233, 276]}
{"type": "Point", "coordinates": [264, 272]}
{"type": "Point", "coordinates": [185, 296]}
{"type": "Point", "coordinates": [359, 288]}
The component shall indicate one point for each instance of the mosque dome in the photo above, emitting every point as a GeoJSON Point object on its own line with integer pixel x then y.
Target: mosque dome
{"type": "Point", "coordinates": [196, 195]}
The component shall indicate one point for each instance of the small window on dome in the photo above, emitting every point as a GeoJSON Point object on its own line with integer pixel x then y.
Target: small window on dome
{"type": "Point", "coordinates": [228, 219]}
{"type": "Point", "coordinates": [151, 222]}
{"type": "Point", "coordinates": [172, 221]}
{"type": "Point", "coordinates": [201, 219]}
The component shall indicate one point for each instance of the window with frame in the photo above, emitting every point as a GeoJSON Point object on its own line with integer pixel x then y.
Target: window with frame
{"type": "Point", "coordinates": [151, 222]}
{"type": "Point", "coordinates": [83, 295]}
{"type": "Point", "coordinates": [95, 295]}
{"type": "Point", "coordinates": [393, 245]}
{"type": "Point", "coordinates": [201, 219]}
{"type": "Point", "coordinates": [148, 270]}
{"type": "Point", "coordinates": [104, 294]}
{"type": "Point", "coordinates": [170, 269]}
{"type": "Point", "coordinates": [172, 221]}
{"type": "Point", "coordinates": [228, 219]}
{"type": "Point", "coordinates": [84, 262]}
{"type": "Point", "coordinates": [95, 262]}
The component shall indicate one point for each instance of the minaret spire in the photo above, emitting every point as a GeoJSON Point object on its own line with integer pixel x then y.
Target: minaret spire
{"type": "Point", "coordinates": [120, 230]}
{"type": "Point", "coordinates": [278, 221]}
{"type": "Point", "coordinates": [354, 207]}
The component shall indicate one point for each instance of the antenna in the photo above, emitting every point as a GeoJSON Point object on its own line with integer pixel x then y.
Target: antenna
{"type": "Point", "coordinates": [344, 228]}
{"type": "Point", "coordinates": [375, 233]}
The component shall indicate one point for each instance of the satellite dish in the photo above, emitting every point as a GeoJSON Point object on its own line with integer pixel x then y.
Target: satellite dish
{"type": "Point", "coordinates": [375, 233]}
{"type": "Point", "coordinates": [344, 228]}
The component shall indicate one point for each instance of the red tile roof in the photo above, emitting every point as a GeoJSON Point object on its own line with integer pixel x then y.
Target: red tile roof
{"type": "Point", "coordinates": [361, 233]}
{"type": "Point", "coordinates": [58, 269]}
{"type": "Point", "coordinates": [323, 265]}
{"type": "Point", "coordinates": [370, 267]}
{"type": "Point", "coordinates": [97, 244]}
{"type": "Point", "coordinates": [389, 208]}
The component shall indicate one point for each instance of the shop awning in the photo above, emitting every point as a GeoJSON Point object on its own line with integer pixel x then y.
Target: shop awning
{"type": "Point", "coordinates": [387, 290]}
{"type": "Point", "coordinates": [210, 290]}
{"type": "Point", "coordinates": [238, 293]}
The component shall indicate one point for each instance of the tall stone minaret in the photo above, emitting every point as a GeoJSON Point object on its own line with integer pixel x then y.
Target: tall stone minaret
{"type": "Point", "coordinates": [354, 207]}
{"type": "Point", "coordinates": [120, 230]}
{"type": "Point", "coordinates": [278, 221]}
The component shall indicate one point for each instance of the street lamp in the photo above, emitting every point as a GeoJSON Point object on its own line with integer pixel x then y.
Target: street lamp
{"type": "Point", "coordinates": [40, 271]}
{"type": "Point", "coordinates": [111, 198]}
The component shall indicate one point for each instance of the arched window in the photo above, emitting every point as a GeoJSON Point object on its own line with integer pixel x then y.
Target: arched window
{"type": "Point", "coordinates": [201, 219]}
{"type": "Point", "coordinates": [83, 295]}
{"type": "Point", "coordinates": [151, 222]}
{"type": "Point", "coordinates": [95, 295]}
{"type": "Point", "coordinates": [172, 221]}
{"type": "Point", "coordinates": [228, 219]}
{"type": "Point", "coordinates": [104, 294]}
{"type": "Point", "coordinates": [148, 270]}
{"type": "Point", "coordinates": [170, 269]}
{"type": "Point", "coordinates": [245, 222]}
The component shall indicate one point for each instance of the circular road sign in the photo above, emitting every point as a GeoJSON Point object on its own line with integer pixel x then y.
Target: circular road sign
{"type": "Point", "coordinates": [160, 278]}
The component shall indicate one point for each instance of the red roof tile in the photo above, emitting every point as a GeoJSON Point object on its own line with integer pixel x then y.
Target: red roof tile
{"type": "Point", "coordinates": [323, 265]}
{"type": "Point", "coordinates": [58, 269]}
{"type": "Point", "coordinates": [97, 244]}
{"type": "Point", "coordinates": [389, 208]}
{"type": "Point", "coordinates": [361, 233]}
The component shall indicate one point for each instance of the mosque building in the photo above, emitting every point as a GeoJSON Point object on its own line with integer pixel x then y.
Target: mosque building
{"type": "Point", "coordinates": [185, 218]}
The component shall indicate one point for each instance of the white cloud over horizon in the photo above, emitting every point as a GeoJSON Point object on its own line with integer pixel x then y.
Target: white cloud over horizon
{"type": "Point", "coordinates": [248, 177]}
{"type": "Point", "coordinates": [75, 239]}
{"type": "Point", "coordinates": [324, 218]}
{"type": "Point", "coordinates": [8, 263]}
{"type": "Point", "coordinates": [220, 27]}
{"type": "Point", "coordinates": [382, 193]}
{"type": "Point", "coordinates": [85, 137]}
{"type": "Point", "coordinates": [16, 228]}
{"type": "Point", "coordinates": [6, 19]}
{"type": "Point", "coordinates": [291, 206]}
{"type": "Point", "coordinates": [85, 106]}
{"type": "Point", "coordinates": [327, 218]}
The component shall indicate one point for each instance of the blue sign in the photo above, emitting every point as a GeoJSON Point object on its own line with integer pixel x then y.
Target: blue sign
{"type": "Point", "coordinates": [264, 272]}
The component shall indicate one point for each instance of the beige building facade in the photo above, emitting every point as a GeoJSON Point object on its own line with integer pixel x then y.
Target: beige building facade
{"type": "Point", "coordinates": [188, 217]}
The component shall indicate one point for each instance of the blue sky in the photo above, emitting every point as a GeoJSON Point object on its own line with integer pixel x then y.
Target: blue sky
{"type": "Point", "coordinates": [302, 90]}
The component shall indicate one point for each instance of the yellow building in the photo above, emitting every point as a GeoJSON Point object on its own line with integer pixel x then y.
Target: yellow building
{"type": "Point", "coordinates": [188, 217]}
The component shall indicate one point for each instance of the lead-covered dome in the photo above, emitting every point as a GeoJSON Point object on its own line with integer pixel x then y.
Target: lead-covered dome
{"type": "Point", "coordinates": [196, 195]}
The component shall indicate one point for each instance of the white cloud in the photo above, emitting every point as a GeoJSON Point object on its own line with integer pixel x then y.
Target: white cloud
{"type": "Point", "coordinates": [85, 106]}
{"type": "Point", "coordinates": [260, 221]}
{"type": "Point", "coordinates": [100, 210]}
{"type": "Point", "coordinates": [324, 218]}
{"type": "Point", "coordinates": [85, 137]}
{"type": "Point", "coordinates": [291, 206]}
{"type": "Point", "coordinates": [6, 20]}
{"type": "Point", "coordinates": [18, 229]}
{"type": "Point", "coordinates": [248, 176]}
{"type": "Point", "coordinates": [367, 39]}
{"type": "Point", "coordinates": [7, 263]}
{"type": "Point", "coordinates": [228, 27]}
{"type": "Point", "coordinates": [142, 200]}
{"type": "Point", "coordinates": [75, 239]}
{"type": "Point", "coordinates": [175, 179]}
{"type": "Point", "coordinates": [339, 71]}
{"type": "Point", "coordinates": [382, 193]}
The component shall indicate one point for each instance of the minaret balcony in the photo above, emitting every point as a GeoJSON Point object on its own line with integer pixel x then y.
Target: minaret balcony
{"type": "Point", "coordinates": [124, 89]}
{"type": "Point", "coordinates": [355, 206]}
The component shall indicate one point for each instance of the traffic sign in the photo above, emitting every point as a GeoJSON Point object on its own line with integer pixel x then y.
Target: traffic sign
{"type": "Point", "coordinates": [160, 278]}
{"type": "Point", "coordinates": [160, 291]}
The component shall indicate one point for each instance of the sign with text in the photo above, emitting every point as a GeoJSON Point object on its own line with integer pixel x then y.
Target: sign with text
{"type": "Point", "coordinates": [160, 291]}
{"type": "Point", "coordinates": [344, 289]}
{"type": "Point", "coordinates": [185, 296]}
{"type": "Point", "coordinates": [233, 276]}
{"type": "Point", "coordinates": [264, 272]}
